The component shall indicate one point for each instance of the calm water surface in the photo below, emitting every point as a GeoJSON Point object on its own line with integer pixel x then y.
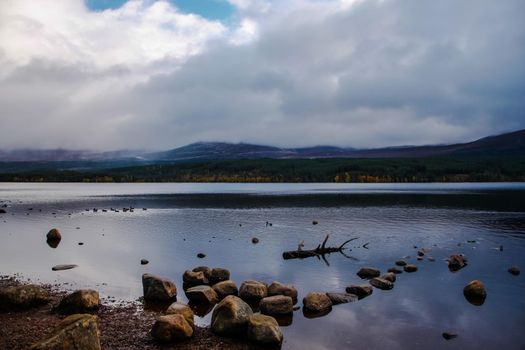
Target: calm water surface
{"type": "Point", "coordinates": [219, 220]}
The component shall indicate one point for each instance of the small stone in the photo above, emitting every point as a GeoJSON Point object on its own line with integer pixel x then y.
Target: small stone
{"type": "Point", "coordinates": [171, 327]}
{"type": "Point", "coordinates": [431, 259]}
{"type": "Point", "coordinates": [410, 268]}
{"type": "Point", "coordinates": [475, 292]}
{"type": "Point", "coordinates": [253, 290]}
{"type": "Point", "coordinates": [449, 335]}
{"type": "Point", "coordinates": [361, 291]}
{"type": "Point", "coordinates": [381, 283]}
{"type": "Point", "coordinates": [314, 222]}
{"type": "Point", "coordinates": [276, 305]}
{"type": "Point", "coordinates": [368, 272]}
{"type": "Point", "coordinates": [54, 235]}
{"type": "Point", "coordinates": [202, 294]}
{"type": "Point", "coordinates": [63, 267]}
{"type": "Point", "coordinates": [389, 276]}
{"type": "Point", "coordinates": [342, 298]}
{"type": "Point", "coordinates": [316, 302]}
{"type": "Point", "coordinates": [255, 240]}
{"type": "Point", "coordinates": [80, 243]}
{"type": "Point", "coordinates": [514, 270]}
{"type": "Point", "coordinates": [401, 263]}
{"type": "Point", "coordinates": [456, 262]}
{"type": "Point", "coordinates": [201, 255]}
{"type": "Point", "coordinates": [144, 261]}
{"type": "Point", "coordinates": [395, 270]}
{"type": "Point", "coordinates": [178, 308]}
{"type": "Point", "coordinates": [225, 288]}
{"type": "Point", "coordinates": [264, 329]}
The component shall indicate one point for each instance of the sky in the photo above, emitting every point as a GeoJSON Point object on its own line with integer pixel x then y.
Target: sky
{"type": "Point", "coordinates": [145, 74]}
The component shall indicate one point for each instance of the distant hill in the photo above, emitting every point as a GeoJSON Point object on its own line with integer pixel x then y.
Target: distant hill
{"type": "Point", "coordinates": [508, 144]}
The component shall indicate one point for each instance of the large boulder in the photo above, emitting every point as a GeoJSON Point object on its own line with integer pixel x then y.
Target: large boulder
{"type": "Point", "coordinates": [278, 288]}
{"type": "Point", "coordinates": [342, 298]}
{"type": "Point", "coordinates": [178, 308]}
{"type": "Point", "coordinates": [264, 330]}
{"type": "Point", "coordinates": [218, 274]}
{"type": "Point", "coordinates": [368, 272]}
{"type": "Point", "coordinates": [194, 278]}
{"type": "Point", "coordinates": [230, 316]}
{"type": "Point", "coordinates": [23, 297]}
{"type": "Point", "coordinates": [79, 331]}
{"type": "Point", "coordinates": [54, 235]}
{"type": "Point", "coordinates": [456, 262]}
{"type": "Point", "coordinates": [202, 294]}
{"type": "Point", "coordinates": [158, 288]}
{"type": "Point", "coordinates": [171, 327]}
{"type": "Point", "coordinates": [475, 292]}
{"type": "Point", "coordinates": [381, 283]}
{"type": "Point", "coordinates": [225, 288]}
{"type": "Point", "coordinates": [276, 305]}
{"type": "Point", "coordinates": [316, 302]}
{"type": "Point", "coordinates": [253, 290]}
{"type": "Point", "coordinates": [362, 291]}
{"type": "Point", "coordinates": [80, 301]}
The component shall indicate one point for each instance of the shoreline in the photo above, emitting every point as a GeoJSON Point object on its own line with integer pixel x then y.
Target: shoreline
{"type": "Point", "coordinates": [123, 325]}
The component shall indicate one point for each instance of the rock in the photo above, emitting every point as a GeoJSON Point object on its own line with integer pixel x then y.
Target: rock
{"type": "Point", "coordinates": [314, 222]}
{"type": "Point", "coordinates": [456, 262]}
{"type": "Point", "coordinates": [410, 268]}
{"type": "Point", "coordinates": [2, 211]}
{"type": "Point", "coordinates": [63, 267]}
{"type": "Point", "coordinates": [79, 331]}
{"type": "Point", "coordinates": [192, 279]}
{"type": "Point", "coordinates": [449, 335]}
{"type": "Point", "coordinates": [158, 288]}
{"type": "Point", "coordinates": [431, 259]}
{"type": "Point", "coordinates": [202, 294]}
{"type": "Point", "coordinates": [276, 305]}
{"type": "Point", "coordinates": [395, 270]}
{"type": "Point", "coordinates": [381, 283]}
{"type": "Point", "coordinates": [361, 291]}
{"type": "Point", "coordinates": [278, 288]}
{"type": "Point", "coordinates": [401, 263]}
{"type": "Point", "coordinates": [420, 253]}
{"type": "Point", "coordinates": [342, 298]}
{"type": "Point", "coordinates": [54, 235]}
{"type": "Point", "coordinates": [255, 240]}
{"type": "Point", "coordinates": [80, 243]}
{"type": "Point", "coordinates": [475, 292]}
{"type": "Point", "coordinates": [264, 330]}
{"type": "Point", "coordinates": [171, 327]}
{"type": "Point", "coordinates": [514, 270]}
{"type": "Point", "coordinates": [178, 308]}
{"type": "Point", "coordinates": [230, 316]}
{"type": "Point", "coordinates": [201, 255]}
{"type": "Point", "coordinates": [53, 244]}
{"type": "Point", "coordinates": [419, 258]}
{"type": "Point", "coordinates": [219, 274]}
{"type": "Point", "coordinates": [79, 302]}
{"type": "Point", "coordinates": [389, 276]}
{"type": "Point", "coordinates": [23, 297]}
{"type": "Point", "coordinates": [225, 288]}
{"type": "Point", "coordinates": [204, 269]}
{"type": "Point", "coordinates": [368, 272]}
{"type": "Point", "coordinates": [253, 290]}
{"type": "Point", "coordinates": [316, 302]}
{"type": "Point", "coordinates": [144, 261]}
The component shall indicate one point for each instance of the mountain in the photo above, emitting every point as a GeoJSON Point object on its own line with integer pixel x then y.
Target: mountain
{"type": "Point", "coordinates": [508, 144]}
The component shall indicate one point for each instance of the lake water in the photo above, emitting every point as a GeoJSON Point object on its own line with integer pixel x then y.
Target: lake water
{"type": "Point", "coordinates": [220, 220]}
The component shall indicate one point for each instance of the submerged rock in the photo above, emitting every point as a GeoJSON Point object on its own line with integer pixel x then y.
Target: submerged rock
{"type": "Point", "coordinates": [381, 283]}
{"type": "Point", "coordinates": [362, 291]}
{"type": "Point", "coordinates": [225, 288]}
{"type": "Point", "coordinates": [80, 301]}
{"type": "Point", "coordinates": [178, 308]}
{"type": "Point", "coordinates": [276, 305]}
{"type": "Point", "coordinates": [368, 272]}
{"type": "Point", "coordinates": [514, 270]}
{"type": "Point", "coordinates": [401, 263]}
{"type": "Point", "coordinates": [158, 288]}
{"type": "Point", "coordinates": [63, 267]}
{"type": "Point", "coordinates": [79, 331]}
{"type": "Point", "coordinates": [456, 262]}
{"type": "Point", "coordinates": [395, 270]}
{"type": "Point", "coordinates": [341, 298]}
{"type": "Point", "coordinates": [410, 268]}
{"type": "Point", "coordinates": [264, 330]}
{"type": "Point", "coordinates": [449, 335]}
{"type": "Point", "coordinates": [230, 316]}
{"type": "Point", "coordinates": [23, 297]}
{"type": "Point", "coordinates": [171, 327]}
{"type": "Point", "coordinates": [316, 302]}
{"type": "Point", "coordinates": [253, 290]}
{"type": "Point", "coordinates": [475, 292]}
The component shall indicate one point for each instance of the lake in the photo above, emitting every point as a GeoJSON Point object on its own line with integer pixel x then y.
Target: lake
{"type": "Point", "coordinates": [486, 222]}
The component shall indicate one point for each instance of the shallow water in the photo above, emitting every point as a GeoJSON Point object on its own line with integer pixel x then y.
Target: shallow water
{"type": "Point", "coordinates": [219, 220]}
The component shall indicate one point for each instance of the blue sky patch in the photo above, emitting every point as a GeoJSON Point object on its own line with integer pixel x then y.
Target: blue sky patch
{"type": "Point", "coordinates": [210, 9]}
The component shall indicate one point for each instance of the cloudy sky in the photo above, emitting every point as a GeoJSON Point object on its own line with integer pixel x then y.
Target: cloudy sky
{"type": "Point", "coordinates": [144, 74]}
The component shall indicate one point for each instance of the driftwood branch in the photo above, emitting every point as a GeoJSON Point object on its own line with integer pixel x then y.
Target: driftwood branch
{"type": "Point", "coordinates": [319, 251]}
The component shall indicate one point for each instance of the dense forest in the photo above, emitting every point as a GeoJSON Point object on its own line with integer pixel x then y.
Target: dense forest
{"type": "Point", "coordinates": [439, 169]}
